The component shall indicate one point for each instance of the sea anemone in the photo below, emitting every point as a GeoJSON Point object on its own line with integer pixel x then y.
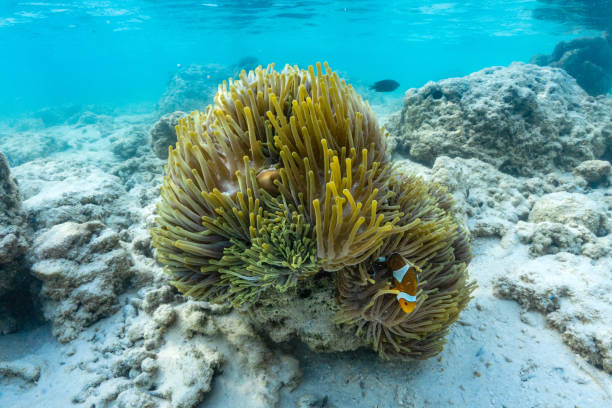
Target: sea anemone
{"type": "Point", "coordinates": [287, 176]}
{"type": "Point", "coordinates": [438, 246]}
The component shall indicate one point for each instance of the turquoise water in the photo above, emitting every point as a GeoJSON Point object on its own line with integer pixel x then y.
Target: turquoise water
{"type": "Point", "coordinates": [121, 53]}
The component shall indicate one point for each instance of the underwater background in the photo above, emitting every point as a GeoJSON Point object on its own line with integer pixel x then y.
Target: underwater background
{"type": "Point", "coordinates": [122, 53]}
{"type": "Point", "coordinates": [416, 213]}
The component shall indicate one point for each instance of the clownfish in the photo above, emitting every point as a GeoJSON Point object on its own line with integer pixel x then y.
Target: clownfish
{"type": "Point", "coordinates": [266, 180]}
{"type": "Point", "coordinates": [405, 280]}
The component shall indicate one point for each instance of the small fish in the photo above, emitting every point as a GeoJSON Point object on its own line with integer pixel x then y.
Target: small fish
{"type": "Point", "coordinates": [266, 179]}
{"type": "Point", "coordinates": [405, 280]}
{"type": "Point", "coordinates": [386, 85]}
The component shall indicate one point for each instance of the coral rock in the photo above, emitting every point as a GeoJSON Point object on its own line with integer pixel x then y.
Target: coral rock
{"type": "Point", "coordinates": [522, 119]}
{"type": "Point", "coordinates": [83, 269]}
{"type": "Point", "coordinates": [154, 298]}
{"type": "Point", "coordinates": [14, 277]}
{"type": "Point", "coordinates": [60, 191]}
{"type": "Point", "coordinates": [570, 209]}
{"type": "Point", "coordinates": [594, 171]}
{"type": "Point", "coordinates": [185, 378]}
{"type": "Point", "coordinates": [13, 242]}
{"type": "Point", "coordinates": [491, 200]}
{"type": "Point", "coordinates": [135, 399]}
{"type": "Point", "coordinates": [164, 315]}
{"type": "Point", "coordinates": [163, 133]}
{"type": "Point", "coordinates": [127, 142]}
{"type": "Point", "coordinates": [308, 314]}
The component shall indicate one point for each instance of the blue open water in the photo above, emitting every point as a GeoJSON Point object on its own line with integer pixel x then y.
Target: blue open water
{"type": "Point", "coordinates": [123, 52]}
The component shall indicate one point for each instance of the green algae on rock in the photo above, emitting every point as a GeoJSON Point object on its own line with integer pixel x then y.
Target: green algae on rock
{"type": "Point", "coordinates": [286, 179]}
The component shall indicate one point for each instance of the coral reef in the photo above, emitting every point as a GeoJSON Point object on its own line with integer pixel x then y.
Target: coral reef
{"type": "Point", "coordinates": [588, 59]}
{"type": "Point", "coordinates": [505, 116]}
{"type": "Point", "coordinates": [287, 177]}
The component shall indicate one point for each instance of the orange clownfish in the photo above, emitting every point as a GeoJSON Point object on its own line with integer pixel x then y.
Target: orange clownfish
{"type": "Point", "coordinates": [405, 280]}
{"type": "Point", "coordinates": [266, 180]}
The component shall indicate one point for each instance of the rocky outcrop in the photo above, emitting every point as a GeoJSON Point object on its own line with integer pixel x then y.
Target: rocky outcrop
{"type": "Point", "coordinates": [83, 269]}
{"type": "Point", "coordinates": [522, 119]}
{"type": "Point", "coordinates": [163, 133]}
{"type": "Point", "coordinates": [587, 59]}
{"type": "Point", "coordinates": [13, 245]}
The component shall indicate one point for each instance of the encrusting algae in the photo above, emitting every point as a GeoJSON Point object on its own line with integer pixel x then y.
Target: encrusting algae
{"type": "Point", "coordinates": [287, 176]}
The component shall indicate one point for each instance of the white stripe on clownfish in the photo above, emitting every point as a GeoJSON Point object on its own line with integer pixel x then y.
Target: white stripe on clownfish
{"type": "Point", "coordinates": [400, 273]}
{"type": "Point", "coordinates": [406, 297]}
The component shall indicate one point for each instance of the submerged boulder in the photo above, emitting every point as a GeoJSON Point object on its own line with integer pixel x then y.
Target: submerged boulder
{"type": "Point", "coordinates": [523, 119]}
{"type": "Point", "coordinates": [83, 268]}
{"type": "Point", "coordinates": [595, 172]}
{"type": "Point", "coordinates": [163, 133]}
{"type": "Point", "coordinates": [571, 209]}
